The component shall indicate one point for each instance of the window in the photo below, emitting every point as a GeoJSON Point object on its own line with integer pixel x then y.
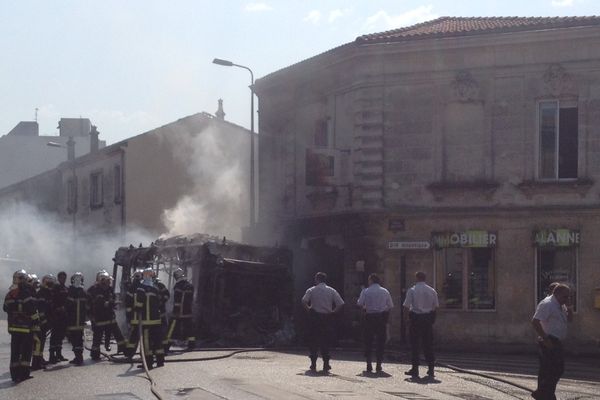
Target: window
{"type": "Point", "coordinates": [117, 183]}
{"type": "Point", "coordinates": [556, 265]}
{"type": "Point", "coordinates": [72, 195]}
{"type": "Point", "coordinates": [320, 168]}
{"type": "Point", "coordinates": [322, 135]}
{"type": "Point", "coordinates": [96, 189]}
{"type": "Point", "coordinates": [466, 278]}
{"type": "Point", "coordinates": [558, 140]}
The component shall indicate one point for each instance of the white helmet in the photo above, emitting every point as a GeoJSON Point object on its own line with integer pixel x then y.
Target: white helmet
{"type": "Point", "coordinates": [178, 274]}
{"type": "Point", "coordinates": [19, 276]}
{"type": "Point", "coordinates": [101, 275]}
{"type": "Point", "coordinates": [137, 275]}
{"type": "Point", "coordinates": [77, 279]}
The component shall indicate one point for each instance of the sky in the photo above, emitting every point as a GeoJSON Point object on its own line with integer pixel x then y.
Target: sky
{"type": "Point", "coordinates": [131, 66]}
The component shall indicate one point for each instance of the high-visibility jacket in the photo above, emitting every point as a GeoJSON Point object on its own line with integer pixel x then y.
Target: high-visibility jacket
{"type": "Point", "coordinates": [183, 296]}
{"type": "Point", "coordinates": [19, 304]}
{"type": "Point", "coordinates": [164, 295]}
{"type": "Point", "coordinates": [146, 306]}
{"type": "Point", "coordinates": [57, 307]}
{"type": "Point", "coordinates": [44, 304]}
{"type": "Point", "coordinates": [77, 308]}
{"type": "Point", "coordinates": [130, 301]}
{"type": "Point", "coordinates": [102, 303]}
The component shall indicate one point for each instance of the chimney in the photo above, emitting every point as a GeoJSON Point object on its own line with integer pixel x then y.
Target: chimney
{"type": "Point", "coordinates": [94, 144]}
{"type": "Point", "coordinates": [220, 114]}
{"type": "Point", "coordinates": [70, 149]}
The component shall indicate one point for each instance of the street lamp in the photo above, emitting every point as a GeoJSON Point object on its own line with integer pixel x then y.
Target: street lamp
{"type": "Point", "coordinates": [226, 63]}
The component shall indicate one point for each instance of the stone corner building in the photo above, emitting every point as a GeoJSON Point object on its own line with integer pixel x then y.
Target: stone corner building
{"type": "Point", "coordinates": [465, 147]}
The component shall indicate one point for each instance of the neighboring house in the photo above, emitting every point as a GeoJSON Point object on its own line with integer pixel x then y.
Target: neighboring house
{"type": "Point", "coordinates": [24, 153]}
{"type": "Point", "coordinates": [191, 167]}
{"type": "Point", "coordinates": [468, 148]}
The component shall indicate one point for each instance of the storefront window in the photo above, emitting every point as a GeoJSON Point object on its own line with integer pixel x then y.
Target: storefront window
{"type": "Point", "coordinates": [556, 265]}
{"type": "Point", "coordinates": [466, 278]}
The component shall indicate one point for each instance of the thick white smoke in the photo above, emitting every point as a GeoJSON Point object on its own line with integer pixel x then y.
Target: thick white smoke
{"type": "Point", "coordinates": [46, 244]}
{"type": "Point", "coordinates": [217, 204]}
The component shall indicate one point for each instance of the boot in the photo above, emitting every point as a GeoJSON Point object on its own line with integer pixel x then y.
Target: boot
{"type": "Point", "coordinates": [121, 348]}
{"type": "Point", "coordinates": [430, 372]}
{"type": "Point", "coordinates": [59, 355]}
{"type": "Point", "coordinates": [378, 367]}
{"type": "Point", "coordinates": [326, 366]}
{"type": "Point", "coordinates": [78, 360]}
{"type": "Point", "coordinates": [95, 355]}
{"type": "Point", "coordinates": [191, 345]}
{"type": "Point", "coordinates": [369, 367]}
{"type": "Point", "coordinates": [53, 358]}
{"type": "Point", "coordinates": [36, 363]}
{"type": "Point", "coordinates": [414, 372]}
{"type": "Point", "coordinates": [313, 364]}
{"type": "Point", "coordinates": [160, 360]}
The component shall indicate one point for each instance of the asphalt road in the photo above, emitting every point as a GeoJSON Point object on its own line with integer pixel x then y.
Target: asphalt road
{"type": "Point", "coordinates": [283, 375]}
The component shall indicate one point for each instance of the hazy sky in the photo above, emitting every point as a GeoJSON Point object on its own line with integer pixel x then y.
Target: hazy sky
{"type": "Point", "coordinates": [131, 66]}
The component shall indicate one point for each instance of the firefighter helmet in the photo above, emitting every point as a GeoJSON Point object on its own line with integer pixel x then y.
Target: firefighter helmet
{"type": "Point", "coordinates": [77, 279]}
{"type": "Point", "coordinates": [48, 280]}
{"type": "Point", "coordinates": [178, 274]}
{"type": "Point", "coordinates": [148, 273]}
{"type": "Point", "coordinates": [19, 276]}
{"type": "Point", "coordinates": [137, 275]}
{"type": "Point", "coordinates": [33, 280]}
{"type": "Point", "coordinates": [101, 275]}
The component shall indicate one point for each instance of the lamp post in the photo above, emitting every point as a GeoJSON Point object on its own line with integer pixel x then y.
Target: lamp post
{"type": "Point", "coordinates": [226, 63]}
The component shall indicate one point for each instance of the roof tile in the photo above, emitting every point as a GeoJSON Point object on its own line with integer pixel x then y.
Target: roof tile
{"type": "Point", "coordinates": [458, 26]}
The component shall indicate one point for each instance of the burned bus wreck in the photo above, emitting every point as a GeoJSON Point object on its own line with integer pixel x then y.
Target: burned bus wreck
{"type": "Point", "coordinates": [242, 293]}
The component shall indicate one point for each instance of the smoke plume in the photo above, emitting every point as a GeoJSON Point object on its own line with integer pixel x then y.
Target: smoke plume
{"type": "Point", "coordinates": [216, 159]}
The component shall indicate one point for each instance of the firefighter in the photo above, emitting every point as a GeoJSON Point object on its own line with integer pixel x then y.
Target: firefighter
{"type": "Point", "coordinates": [102, 304]}
{"type": "Point", "coordinates": [146, 310]}
{"type": "Point", "coordinates": [164, 295]}
{"type": "Point", "coordinates": [38, 329]}
{"type": "Point", "coordinates": [131, 287]}
{"type": "Point", "coordinates": [77, 310]}
{"type": "Point", "coordinates": [19, 304]}
{"type": "Point", "coordinates": [58, 317]}
{"type": "Point", "coordinates": [44, 304]}
{"type": "Point", "coordinates": [181, 327]}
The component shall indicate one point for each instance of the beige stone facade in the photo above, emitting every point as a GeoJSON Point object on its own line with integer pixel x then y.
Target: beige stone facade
{"type": "Point", "coordinates": [418, 139]}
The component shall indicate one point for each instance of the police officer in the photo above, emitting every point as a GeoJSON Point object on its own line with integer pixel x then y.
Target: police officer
{"type": "Point", "coordinates": [376, 302]}
{"type": "Point", "coordinates": [102, 304]}
{"type": "Point", "coordinates": [181, 326]}
{"type": "Point", "coordinates": [58, 316]}
{"type": "Point", "coordinates": [77, 310]}
{"type": "Point", "coordinates": [321, 302]}
{"type": "Point", "coordinates": [19, 304]}
{"type": "Point", "coordinates": [146, 310]}
{"type": "Point", "coordinates": [44, 304]}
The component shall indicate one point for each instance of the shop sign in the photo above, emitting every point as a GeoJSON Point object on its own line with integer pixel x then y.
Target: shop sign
{"type": "Point", "coordinates": [420, 245]}
{"type": "Point", "coordinates": [556, 238]}
{"type": "Point", "coordinates": [396, 224]}
{"type": "Point", "coordinates": [472, 238]}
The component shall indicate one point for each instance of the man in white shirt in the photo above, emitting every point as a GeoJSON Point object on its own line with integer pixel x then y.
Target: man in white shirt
{"type": "Point", "coordinates": [377, 303]}
{"type": "Point", "coordinates": [550, 323]}
{"type": "Point", "coordinates": [421, 304]}
{"type": "Point", "coordinates": [321, 302]}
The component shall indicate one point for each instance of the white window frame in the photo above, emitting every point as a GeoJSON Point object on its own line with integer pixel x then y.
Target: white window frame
{"type": "Point", "coordinates": [439, 259]}
{"type": "Point", "coordinates": [538, 144]}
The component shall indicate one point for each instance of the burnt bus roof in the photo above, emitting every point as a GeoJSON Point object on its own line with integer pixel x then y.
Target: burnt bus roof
{"type": "Point", "coordinates": [195, 249]}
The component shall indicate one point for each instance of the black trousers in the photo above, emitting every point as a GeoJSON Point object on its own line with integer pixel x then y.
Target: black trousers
{"type": "Point", "coordinates": [375, 329]}
{"type": "Point", "coordinates": [552, 366]}
{"type": "Point", "coordinates": [421, 335]}
{"type": "Point", "coordinates": [59, 330]}
{"type": "Point", "coordinates": [76, 339]}
{"type": "Point", "coordinates": [105, 329]}
{"type": "Point", "coordinates": [181, 329]}
{"type": "Point", "coordinates": [21, 347]}
{"type": "Point", "coordinates": [320, 333]}
{"type": "Point", "coordinates": [152, 342]}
